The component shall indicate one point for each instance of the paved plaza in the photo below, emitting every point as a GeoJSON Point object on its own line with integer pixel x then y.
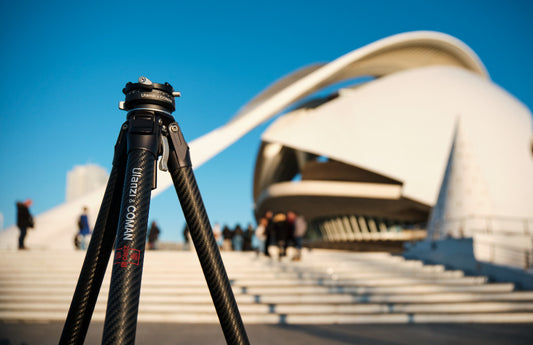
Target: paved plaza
{"type": "Point", "coordinates": [48, 333]}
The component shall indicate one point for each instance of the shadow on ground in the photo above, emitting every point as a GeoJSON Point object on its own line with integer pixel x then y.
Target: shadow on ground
{"type": "Point", "coordinates": [25, 333]}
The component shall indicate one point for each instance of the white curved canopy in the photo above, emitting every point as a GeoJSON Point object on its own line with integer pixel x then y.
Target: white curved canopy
{"type": "Point", "coordinates": [402, 126]}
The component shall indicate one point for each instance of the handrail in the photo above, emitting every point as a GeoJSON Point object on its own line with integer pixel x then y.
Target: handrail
{"type": "Point", "coordinates": [478, 227]}
{"type": "Point", "coordinates": [526, 224]}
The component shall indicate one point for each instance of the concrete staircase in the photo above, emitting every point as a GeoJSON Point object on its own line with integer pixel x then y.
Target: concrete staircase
{"type": "Point", "coordinates": [325, 287]}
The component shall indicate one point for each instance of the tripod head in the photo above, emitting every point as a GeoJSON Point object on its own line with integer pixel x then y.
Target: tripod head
{"type": "Point", "coordinates": [150, 106]}
{"type": "Point", "coordinates": [146, 95]}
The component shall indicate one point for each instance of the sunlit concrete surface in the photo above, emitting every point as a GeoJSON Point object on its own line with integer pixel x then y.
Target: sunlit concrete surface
{"type": "Point", "coordinates": [326, 287]}
{"type": "Point", "coordinates": [329, 297]}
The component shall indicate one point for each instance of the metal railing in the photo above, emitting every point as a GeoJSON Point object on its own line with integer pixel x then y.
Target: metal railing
{"type": "Point", "coordinates": [496, 239]}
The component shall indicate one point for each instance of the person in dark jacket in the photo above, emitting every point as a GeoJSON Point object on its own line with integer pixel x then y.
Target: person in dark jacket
{"type": "Point", "coordinates": [248, 238]}
{"type": "Point", "coordinates": [153, 236]}
{"type": "Point", "coordinates": [237, 239]}
{"type": "Point", "coordinates": [270, 236]}
{"type": "Point", "coordinates": [24, 220]}
{"type": "Point", "coordinates": [282, 233]}
{"type": "Point", "coordinates": [84, 233]}
{"type": "Point", "coordinates": [186, 238]}
{"type": "Point", "coordinates": [227, 234]}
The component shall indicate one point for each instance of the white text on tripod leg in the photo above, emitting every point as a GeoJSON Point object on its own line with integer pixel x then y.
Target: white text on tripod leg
{"type": "Point", "coordinates": [129, 224]}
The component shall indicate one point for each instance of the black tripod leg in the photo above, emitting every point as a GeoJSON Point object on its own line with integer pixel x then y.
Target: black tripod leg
{"type": "Point", "coordinates": [204, 242]}
{"type": "Point", "coordinates": [98, 253]}
{"type": "Point", "coordinates": [124, 292]}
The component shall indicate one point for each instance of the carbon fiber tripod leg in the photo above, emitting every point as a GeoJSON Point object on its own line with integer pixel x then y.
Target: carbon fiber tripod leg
{"type": "Point", "coordinates": [124, 291]}
{"type": "Point", "coordinates": [97, 257]}
{"type": "Point", "coordinates": [206, 248]}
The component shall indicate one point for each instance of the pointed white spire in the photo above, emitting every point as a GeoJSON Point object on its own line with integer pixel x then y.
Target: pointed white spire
{"type": "Point", "coordinates": [463, 193]}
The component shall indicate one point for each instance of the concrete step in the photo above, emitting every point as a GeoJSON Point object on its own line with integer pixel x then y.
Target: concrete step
{"type": "Point", "coordinates": [253, 272]}
{"type": "Point", "coordinates": [274, 291]}
{"type": "Point", "coordinates": [55, 281]}
{"type": "Point", "coordinates": [204, 297]}
{"type": "Point", "coordinates": [291, 308]}
{"type": "Point", "coordinates": [326, 287]}
{"type": "Point", "coordinates": [180, 317]}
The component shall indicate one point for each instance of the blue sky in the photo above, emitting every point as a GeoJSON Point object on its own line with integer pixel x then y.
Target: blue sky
{"type": "Point", "coordinates": [64, 64]}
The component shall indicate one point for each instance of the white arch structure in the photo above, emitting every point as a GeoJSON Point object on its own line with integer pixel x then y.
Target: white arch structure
{"type": "Point", "coordinates": [387, 57]}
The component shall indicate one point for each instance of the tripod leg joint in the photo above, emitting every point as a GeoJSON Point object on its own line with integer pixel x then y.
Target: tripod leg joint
{"type": "Point", "coordinates": [179, 150]}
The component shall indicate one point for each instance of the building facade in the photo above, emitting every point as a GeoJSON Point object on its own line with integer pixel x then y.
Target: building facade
{"type": "Point", "coordinates": [83, 179]}
{"type": "Point", "coordinates": [427, 141]}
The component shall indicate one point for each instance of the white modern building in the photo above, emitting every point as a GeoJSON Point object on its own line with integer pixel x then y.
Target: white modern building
{"type": "Point", "coordinates": [422, 136]}
{"type": "Point", "coordinates": [83, 179]}
{"type": "Point", "coordinates": [428, 138]}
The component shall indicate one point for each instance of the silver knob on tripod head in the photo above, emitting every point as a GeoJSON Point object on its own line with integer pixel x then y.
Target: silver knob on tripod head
{"type": "Point", "coordinates": [145, 81]}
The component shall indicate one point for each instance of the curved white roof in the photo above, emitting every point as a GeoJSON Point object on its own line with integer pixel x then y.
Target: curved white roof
{"type": "Point", "coordinates": [389, 55]}
{"type": "Point", "coordinates": [402, 126]}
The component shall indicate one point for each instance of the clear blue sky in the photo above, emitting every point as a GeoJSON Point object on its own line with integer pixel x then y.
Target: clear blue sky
{"type": "Point", "coordinates": [63, 66]}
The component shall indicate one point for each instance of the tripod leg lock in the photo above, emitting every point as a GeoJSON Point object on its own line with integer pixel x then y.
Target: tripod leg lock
{"type": "Point", "coordinates": [179, 150]}
{"type": "Point", "coordinates": [143, 132]}
{"type": "Point", "coordinates": [164, 155]}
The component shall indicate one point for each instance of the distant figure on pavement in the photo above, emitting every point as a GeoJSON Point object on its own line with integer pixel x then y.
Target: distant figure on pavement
{"type": "Point", "coordinates": [269, 232]}
{"type": "Point", "coordinates": [186, 238]}
{"type": "Point", "coordinates": [248, 238]}
{"type": "Point", "coordinates": [217, 232]}
{"type": "Point", "coordinates": [260, 235]}
{"type": "Point", "coordinates": [153, 236]}
{"type": "Point", "coordinates": [282, 233]}
{"type": "Point", "coordinates": [227, 234]}
{"type": "Point", "coordinates": [238, 238]}
{"type": "Point", "coordinates": [300, 228]}
{"type": "Point", "coordinates": [84, 234]}
{"type": "Point", "coordinates": [24, 220]}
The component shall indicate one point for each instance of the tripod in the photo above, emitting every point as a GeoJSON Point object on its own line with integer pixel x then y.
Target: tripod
{"type": "Point", "coordinates": [149, 132]}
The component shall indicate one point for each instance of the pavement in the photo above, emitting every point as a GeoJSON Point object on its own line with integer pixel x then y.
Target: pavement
{"type": "Point", "coordinates": [31, 333]}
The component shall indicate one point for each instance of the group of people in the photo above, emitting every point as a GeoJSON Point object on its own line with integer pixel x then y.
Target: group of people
{"type": "Point", "coordinates": [25, 221]}
{"type": "Point", "coordinates": [281, 230]}
{"type": "Point", "coordinates": [275, 230]}
{"type": "Point", "coordinates": [274, 234]}
{"type": "Point", "coordinates": [82, 236]}
{"type": "Point", "coordinates": [237, 239]}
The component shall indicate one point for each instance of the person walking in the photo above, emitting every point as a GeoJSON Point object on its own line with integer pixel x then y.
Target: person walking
{"type": "Point", "coordinates": [260, 236]}
{"type": "Point", "coordinates": [270, 236]}
{"type": "Point", "coordinates": [186, 238]}
{"type": "Point", "coordinates": [238, 239]}
{"type": "Point", "coordinates": [300, 228]}
{"type": "Point", "coordinates": [248, 238]}
{"type": "Point", "coordinates": [217, 232]}
{"type": "Point", "coordinates": [281, 230]}
{"type": "Point", "coordinates": [153, 236]}
{"type": "Point", "coordinates": [227, 234]}
{"type": "Point", "coordinates": [24, 220]}
{"type": "Point", "coordinates": [84, 234]}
